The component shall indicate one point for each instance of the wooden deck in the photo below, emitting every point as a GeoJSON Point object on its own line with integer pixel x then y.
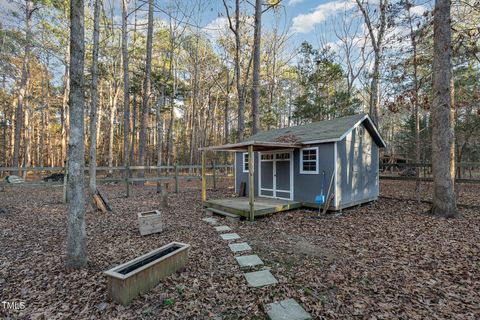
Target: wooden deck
{"type": "Point", "coordinates": [263, 206]}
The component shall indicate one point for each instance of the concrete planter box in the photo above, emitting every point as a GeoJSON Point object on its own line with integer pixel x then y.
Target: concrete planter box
{"type": "Point", "coordinates": [150, 222]}
{"type": "Point", "coordinates": [139, 275]}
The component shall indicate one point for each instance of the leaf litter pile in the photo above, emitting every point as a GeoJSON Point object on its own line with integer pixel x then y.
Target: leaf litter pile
{"type": "Point", "coordinates": [383, 260]}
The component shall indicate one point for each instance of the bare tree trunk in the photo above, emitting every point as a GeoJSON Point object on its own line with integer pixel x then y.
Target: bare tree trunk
{"type": "Point", "coordinates": [376, 30]}
{"type": "Point", "coordinates": [134, 102]}
{"type": "Point", "coordinates": [33, 142]}
{"type": "Point", "coordinates": [12, 136]}
{"type": "Point", "coordinates": [160, 125]}
{"type": "Point", "coordinates": [27, 140]}
{"type": "Point", "coordinates": [194, 102]}
{"type": "Point", "coordinates": [146, 91]}
{"type": "Point", "coordinates": [47, 108]}
{"type": "Point", "coordinates": [65, 113]}
{"type": "Point", "coordinates": [443, 134]}
{"type": "Point", "coordinates": [240, 88]}
{"type": "Point", "coordinates": [4, 114]}
{"type": "Point", "coordinates": [4, 136]}
{"type": "Point", "coordinates": [22, 92]}
{"type": "Point", "coordinates": [101, 107]}
{"type": "Point", "coordinates": [76, 241]}
{"type": "Point", "coordinates": [238, 76]}
{"type": "Point", "coordinates": [256, 67]}
{"type": "Point", "coordinates": [126, 93]}
{"type": "Point", "coordinates": [94, 97]}
{"type": "Point", "coordinates": [134, 128]}
{"type": "Point", "coordinates": [4, 122]}
{"type": "Point", "coordinates": [160, 103]}
{"type": "Point", "coordinates": [413, 41]}
{"type": "Point", "coordinates": [41, 142]}
{"type": "Point", "coordinates": [375, 90]}
{"type": "Point", "coordinates": [50, 160]}
{"type": "Point", "coordinates": [113, 109]}
{"type": "Point", "coordinates": [173, 74]}
{"type": "Point", "coordinates": [225, 119]}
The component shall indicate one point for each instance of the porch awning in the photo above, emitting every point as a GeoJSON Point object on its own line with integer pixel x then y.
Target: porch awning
{"type": "Point", "coordinates": [257, 146]}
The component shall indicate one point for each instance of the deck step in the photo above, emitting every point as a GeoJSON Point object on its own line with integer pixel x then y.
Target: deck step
{"type": "Point", "coordinates": [223, 213]}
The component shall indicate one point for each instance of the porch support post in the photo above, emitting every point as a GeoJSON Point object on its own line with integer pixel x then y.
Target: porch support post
{"type": "Point", "coordinates": [251, 191]}
{"type": "Point", "coordinates": [204, 178]}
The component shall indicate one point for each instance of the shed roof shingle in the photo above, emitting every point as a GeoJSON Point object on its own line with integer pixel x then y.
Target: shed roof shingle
{"type": "Point", "coordinates": [321, 130]}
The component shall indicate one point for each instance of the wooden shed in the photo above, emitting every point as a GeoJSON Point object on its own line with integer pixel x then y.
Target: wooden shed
{"type": "Point", "coordinates": [288, 168]}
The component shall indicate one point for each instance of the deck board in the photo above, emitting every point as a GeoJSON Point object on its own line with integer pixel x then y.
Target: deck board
{"type": "Point", "coordinates": [263, 206]}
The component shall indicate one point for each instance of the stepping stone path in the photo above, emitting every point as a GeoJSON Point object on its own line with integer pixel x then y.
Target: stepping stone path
{"type": "Point", "coordinates": [230, 236]}
{"type": "Point", "coordinates": [239, 247]}
{"type": "Point", "coordinates": [286, 310]}
{"type": "Point", "coordinates": [260, 278]}
{"type": "Point", "coordinates": [210, 220]}
{"type": "Point", "coordinates": [223, 228]}
{"type": "Point", "coordinates": [249, 261]}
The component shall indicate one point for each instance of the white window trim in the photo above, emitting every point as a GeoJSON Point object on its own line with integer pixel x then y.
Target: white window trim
{"type": "Point", "coordinates": [301, 161]}
{"type": "Point", "coordinates": [243, 162]}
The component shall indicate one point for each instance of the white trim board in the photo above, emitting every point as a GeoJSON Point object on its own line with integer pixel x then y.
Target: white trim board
{"type": "Point", "coordinates": [335, 172]}
{"type": "Point", "coordinates": [243, 161]}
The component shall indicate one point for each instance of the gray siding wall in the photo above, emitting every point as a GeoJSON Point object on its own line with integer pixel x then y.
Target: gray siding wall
{"type": "Point", "coordinates": [307, 186]}
{"type": "Point", "coordinates": [357, 168]}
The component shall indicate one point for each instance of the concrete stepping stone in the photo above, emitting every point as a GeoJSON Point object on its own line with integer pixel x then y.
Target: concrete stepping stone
{"type": "Point", "coordinates": [210, 220]}
{"type": "Point", "coordinates": [223, 228]}
{"type": "Point", "coordinates": [239, 247]}
{"type": "Point", "coordinates": [260, 278]}
{"type": "Point", "coordinates": [230, 236]}
{"type": "Point", "coordinates": [249, 261]}
{"type": "Point", "coordinates": [287, 309]}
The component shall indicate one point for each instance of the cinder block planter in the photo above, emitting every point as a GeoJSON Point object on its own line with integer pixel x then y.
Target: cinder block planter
{"type": "Point", "coordinates": [128, 280]}
{"type": "Point", "coordinates": [150, 222]}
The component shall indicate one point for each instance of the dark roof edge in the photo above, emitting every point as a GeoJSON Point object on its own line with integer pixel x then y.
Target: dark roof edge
{"type": "Point", "coordinates": [375, 133]}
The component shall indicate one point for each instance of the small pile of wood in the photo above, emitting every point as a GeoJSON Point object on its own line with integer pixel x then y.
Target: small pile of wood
{"type": "Point", "coordinates": [101, 202]}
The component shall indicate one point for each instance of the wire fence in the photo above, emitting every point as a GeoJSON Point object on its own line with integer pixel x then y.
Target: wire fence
{"type": "Point", "coordinates": [58, 176]}
{"type": "Point", "coordinates": [465, 172]}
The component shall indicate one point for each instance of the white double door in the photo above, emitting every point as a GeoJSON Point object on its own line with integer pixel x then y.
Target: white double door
{"type": "Point", "coordinates": [275, 175]}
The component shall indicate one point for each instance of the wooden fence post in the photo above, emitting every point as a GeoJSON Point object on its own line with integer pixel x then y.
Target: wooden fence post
{"type": "Point", "coordinates": [176, 177]}
{"type": "Point", "coordinates": [251, 191]}
{"type": "Point", "coordinates": [204, 178]}
{"type": "Point", "coordinates": [127, 175]}
{"type": "Point", "coordinates": [214, 176]}
{"type": "Point", "coordinates": [65, 178]}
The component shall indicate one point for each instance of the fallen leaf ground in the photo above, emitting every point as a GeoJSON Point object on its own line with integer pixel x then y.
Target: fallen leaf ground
{"type": "Point", "coordinates": [384, 260]}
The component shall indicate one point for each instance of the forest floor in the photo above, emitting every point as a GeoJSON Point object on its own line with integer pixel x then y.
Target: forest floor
{"type": "Point", "coordinates": [383, 260]}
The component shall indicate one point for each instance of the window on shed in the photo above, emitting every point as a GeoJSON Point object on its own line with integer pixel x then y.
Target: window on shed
{"type": "Point", "coordinates": [245, 162]}
{"type": "Point", "coordinates": [309, 160]}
